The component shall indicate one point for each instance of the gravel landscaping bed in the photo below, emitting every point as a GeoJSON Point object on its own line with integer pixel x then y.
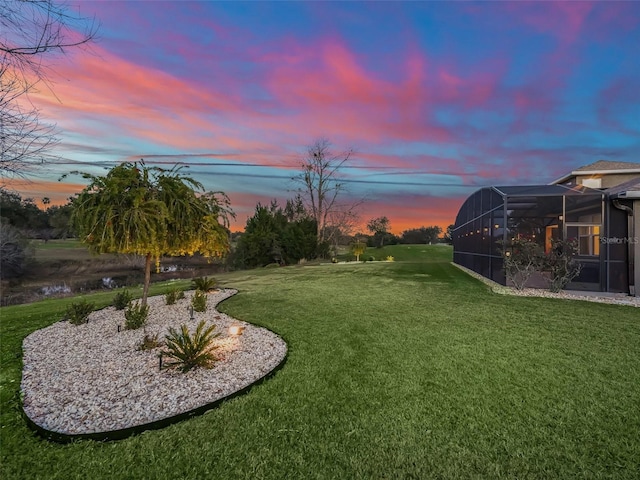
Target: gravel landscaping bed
{"type": "Point", "coordinates": [92, 378]}
{"type": "Point", "coordinates": [600, 297]}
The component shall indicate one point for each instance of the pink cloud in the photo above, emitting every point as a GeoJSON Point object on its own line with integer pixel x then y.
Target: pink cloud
{"type": "Point", "coordinates": [561, 19]}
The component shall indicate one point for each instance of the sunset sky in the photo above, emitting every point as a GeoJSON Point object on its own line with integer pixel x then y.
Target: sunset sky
{"type": "Point", "coordinates": [437, 99]}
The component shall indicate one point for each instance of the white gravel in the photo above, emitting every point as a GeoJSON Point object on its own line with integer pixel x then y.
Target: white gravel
{"type": "Point", "coordinates": [90, 378]}
{"type": "Point", "coordinates": [599, 297]}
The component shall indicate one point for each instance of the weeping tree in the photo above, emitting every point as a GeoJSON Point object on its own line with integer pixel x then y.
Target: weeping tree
{"type": "Point", "coordinates": [151, 211]}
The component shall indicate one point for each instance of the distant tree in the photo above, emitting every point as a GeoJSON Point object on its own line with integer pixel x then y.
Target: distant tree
{"type": "Point", "coordinates": [277, 235]}
{"type": "Point", "coordinates": [152, 212]}
{"type": "Point", "coordinates": [321, 189]}
{"type": "Point", "coordinates": [21, 213]}
{"type": "Point", "coordinates": [60, 220]}
{"type": "Point", "coordinates": [260, 244]}
{"type": "Point", "coordinates": [31, 33]}
{"type": "Point", "coordinates": [448, 234]}
{"type": "Point", "coordinates": [422, 235]}
{"type": "Point", "coordinates": [379, 227]}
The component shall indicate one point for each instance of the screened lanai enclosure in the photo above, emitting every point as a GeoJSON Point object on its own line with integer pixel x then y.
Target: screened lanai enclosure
{"type": "Point", "coordinates": [541, 213]}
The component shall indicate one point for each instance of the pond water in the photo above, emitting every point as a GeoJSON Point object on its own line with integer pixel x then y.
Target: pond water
{"type": "Point", "coordinates": [74, 284]}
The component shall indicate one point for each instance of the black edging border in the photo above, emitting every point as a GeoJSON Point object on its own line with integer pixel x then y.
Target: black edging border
{"type": "Point", "coordinates": [158, 424]}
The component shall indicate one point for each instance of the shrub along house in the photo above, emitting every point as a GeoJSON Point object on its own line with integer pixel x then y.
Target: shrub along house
{"type": "Point", "coordinates": [598, 205]}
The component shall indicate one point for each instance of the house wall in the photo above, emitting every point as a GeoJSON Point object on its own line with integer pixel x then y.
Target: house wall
{"type": "Point", "coordinates": [607, 180]}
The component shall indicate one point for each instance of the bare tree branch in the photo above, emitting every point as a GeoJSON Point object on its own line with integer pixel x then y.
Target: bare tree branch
{"type": "Point", "coordinates": [321, 189]}
{"type": "Point", "coordinates": [31, 31]}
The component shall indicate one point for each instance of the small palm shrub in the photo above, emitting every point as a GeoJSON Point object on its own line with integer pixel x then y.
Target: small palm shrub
{"type": "Point", "coordinates": [199, 301]}
{"type": "Point", "coordinates": [78, 312]}
{"type": "Point", "coordinates": [390, 258]}
{"type": "Point", "coordinates": [122, 299]}
{"type": "Point", "coordinates": [135, 315]}
{"type": "Point", "coordinates": [204, 284]}
{"type": "Point", "coordinates": [149, 342]}
{"type": "Point", "coordinates": [190, 351]}
{"type": "Point", "coordinates": [172, 296]}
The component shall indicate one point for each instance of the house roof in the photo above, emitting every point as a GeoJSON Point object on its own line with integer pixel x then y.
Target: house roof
{"type": "Point", "coordinates": [608, 166]}
{"type": "Point", "coordinates": [630, 189]}
{"type": "Point", "coordinates": [601, 167]}
{"type": "Point", "coordinates": [544, 190]}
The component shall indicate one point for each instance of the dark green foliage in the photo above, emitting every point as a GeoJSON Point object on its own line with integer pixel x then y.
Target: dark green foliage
{"type": "Point", "coordinates": [78, 312]}
{"type": "Point", "coordinates": [561, 264]}
{"type": "Point", "coordinates": [22, 213]}
{"type": "Point", "coordinates": [190, 351]}
{"type": "Point", "coordinates": [199, 301]}
{"type": "Point", "coordinates": [172, 296]}
{"type": "Point", "coordinates": [149, 342]}
{"type": "Point", "coordinates": [204, 284]}
{"type": "Point", "coordinates": [276, 235]}
{"type": "Point", "coordinates": [25, 215]}
{"type": "Point", "coordinates": [135, 315]}
{"type": "Point", "coordinates": [424, 235]}
{"type": "Point", "coordinates": [122, 299]}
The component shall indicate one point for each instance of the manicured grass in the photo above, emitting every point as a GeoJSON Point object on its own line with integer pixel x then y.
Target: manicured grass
{"type": "Point", "coordinates": [409, 369]}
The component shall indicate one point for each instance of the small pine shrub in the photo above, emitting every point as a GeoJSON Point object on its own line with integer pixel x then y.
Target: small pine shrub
{"type": "Point", "coordinates": [199, 301]}
{"type": "Point", "coordinates": [135, 316]}
{"type": "Point", "coordinates": [122, 300]}
{"type": "Point", "coordinates": [173, 296]}
{"type": "Point", "coordinates": [204, 284]}
{"type": "Point", "coordinates": [189, 351]}
{"type": "Point", "coordinates": [78, 312]}
{"type": "Point", "coordinates": [149, 342]}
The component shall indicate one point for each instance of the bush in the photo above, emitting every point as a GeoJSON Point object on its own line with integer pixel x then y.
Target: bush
{"type": "Point", "coordinates": [122, 300]}
{"type": "Point", "coordinates": [204, 284]}
{"type": "Point", "coordinates": [149, 342]}
{"type": "Point", "coordinates": [390, 259]}
{"type": "Point", "coordinates": [522, 258]}
{"type": "Point", "coordinates": [135, 315]}
{"type": "Point", "coordinates": [561, 264]}
{"type": "Point", "coordinates": [199, 301]}
{"type": "Point", "coordinates": [78, 312]}
{"type": "Point", "coordinates": [173, 296]}
{"type": "Point", "coordinates": [190, 351]}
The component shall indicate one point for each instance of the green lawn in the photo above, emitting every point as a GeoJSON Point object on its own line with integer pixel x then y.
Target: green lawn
{"type": "Point", "coordinates": [410, 369]}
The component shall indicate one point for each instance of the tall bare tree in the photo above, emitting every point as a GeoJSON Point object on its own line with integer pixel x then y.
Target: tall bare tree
{"type": "Point", "coordinates": [321, 188]}
{"type": "Point", "coordinates": [31, 32]}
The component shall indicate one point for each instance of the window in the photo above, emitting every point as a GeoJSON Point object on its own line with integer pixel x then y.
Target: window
{"type": "Point", "coordinates": [589, 240]}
